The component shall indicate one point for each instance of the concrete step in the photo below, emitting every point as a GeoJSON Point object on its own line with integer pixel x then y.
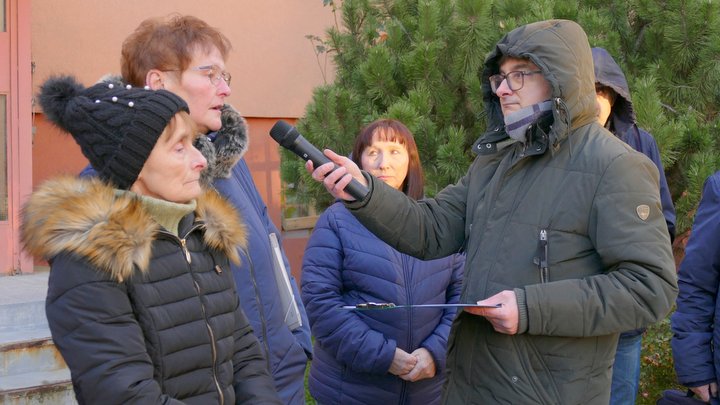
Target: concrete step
{"type": "Point", "coordinates": [22, 316]}
{"type": "Point", "coordinates": [28, 354]}
{"type": "Point", "coordinates": [22, 301]}
{"type": "Point", "coordinates": [32, 371]}
{"type": "Point", "coordinates": [40, 387]}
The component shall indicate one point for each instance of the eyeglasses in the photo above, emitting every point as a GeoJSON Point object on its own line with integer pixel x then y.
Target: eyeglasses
{"type": "Point", "coordinates": [214, 74]}
{"type": "Point", "coordinates": [515, 79]}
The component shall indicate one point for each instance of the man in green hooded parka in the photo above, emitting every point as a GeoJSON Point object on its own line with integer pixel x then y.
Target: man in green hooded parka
{"type": "Point", "coordinates": [561, 223]}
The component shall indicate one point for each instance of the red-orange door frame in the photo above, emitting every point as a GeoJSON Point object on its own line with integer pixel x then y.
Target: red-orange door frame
{"type": "Point", "coordinates": [16, 86]}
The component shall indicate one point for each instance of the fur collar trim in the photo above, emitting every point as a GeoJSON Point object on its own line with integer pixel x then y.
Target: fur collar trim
{"type": "Point", "coordinates": [228, 147]}
{"type": "Point", "coordinates": [114, 233]}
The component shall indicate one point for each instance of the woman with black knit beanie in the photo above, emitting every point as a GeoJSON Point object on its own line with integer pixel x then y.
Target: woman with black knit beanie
{"type": "Point", "coordinates": [140, 301]}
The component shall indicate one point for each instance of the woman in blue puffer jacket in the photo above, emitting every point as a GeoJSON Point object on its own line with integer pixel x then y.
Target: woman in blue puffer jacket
{"type": "Point", "coordinates": [696, 335]}
{"type": "Point", "coordinates": [383, 356]}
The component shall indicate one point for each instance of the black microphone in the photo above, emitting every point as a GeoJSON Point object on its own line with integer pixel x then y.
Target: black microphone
{"type": "Point", "coordinates": [289, 138]}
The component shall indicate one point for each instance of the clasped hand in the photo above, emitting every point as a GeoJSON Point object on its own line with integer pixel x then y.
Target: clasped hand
{"type": "Point", "coordinates": [705, 392]}
{"type": "Point", "coordinates": [413, 366]}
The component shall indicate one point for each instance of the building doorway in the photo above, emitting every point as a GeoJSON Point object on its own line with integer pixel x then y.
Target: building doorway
{"type": "Point", "coordinates": [15, 130]}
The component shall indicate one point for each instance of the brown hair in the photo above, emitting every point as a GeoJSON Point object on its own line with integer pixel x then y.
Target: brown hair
{"type": "Point", "coordinates": [389, 130]}
{"type": "Point", "coordinates": [167, 43]}
{"type": "Point", "coordinates": [608, 91]}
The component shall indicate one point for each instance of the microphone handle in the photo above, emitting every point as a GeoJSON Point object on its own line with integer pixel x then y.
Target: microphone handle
{"type": "Point", "coordinates": [354, 188]}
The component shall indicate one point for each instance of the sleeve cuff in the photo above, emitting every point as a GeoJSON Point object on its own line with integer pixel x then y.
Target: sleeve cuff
{"type": "Point", "coordinates": [353, 205]}
{"type": "Point", "coordinates": [522, 310]}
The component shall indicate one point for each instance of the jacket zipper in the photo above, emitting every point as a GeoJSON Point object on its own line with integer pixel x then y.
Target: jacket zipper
{"type": "Point", "coordinates": [183, 245]}
{"type": "Point", "coordinates": [408, 291]}
{"type": "Point", "coordinates": [544, 270]}
{"type": "Point", "coordinates": [213, 348]}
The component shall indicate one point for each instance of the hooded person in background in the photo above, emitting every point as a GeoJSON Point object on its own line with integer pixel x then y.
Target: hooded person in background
{"type": "Point", "coordinates": [185, 55]}
{"type": "Point", "coordinates": [573, 249]}
{"type": "Point", "coordinates": [141, 302]}
{"type": "Point", "coordinates": [616, 114]}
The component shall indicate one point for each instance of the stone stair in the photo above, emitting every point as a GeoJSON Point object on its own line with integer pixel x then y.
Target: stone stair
{"type": "Point", "coordinates": [32, 371]}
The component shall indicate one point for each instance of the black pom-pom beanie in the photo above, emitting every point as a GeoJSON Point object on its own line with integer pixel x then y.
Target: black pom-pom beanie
{"type": "Point", "coordinates": [116, 126]}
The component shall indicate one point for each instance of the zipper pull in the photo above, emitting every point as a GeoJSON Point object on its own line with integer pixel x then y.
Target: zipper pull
{"type": "Point", "coordinates": [544, 256]}
{"type": "Point", "coordinates": [218, 269]}
{"type": "Point", "coordinates": [183, 245]}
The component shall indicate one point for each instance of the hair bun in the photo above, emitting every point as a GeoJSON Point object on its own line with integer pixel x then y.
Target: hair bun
{"type": "Point", "coordinates": [55, 96]}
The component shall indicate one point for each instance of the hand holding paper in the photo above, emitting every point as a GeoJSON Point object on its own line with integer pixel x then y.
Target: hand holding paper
{"type": "Point", "coordinates": [505, 319]}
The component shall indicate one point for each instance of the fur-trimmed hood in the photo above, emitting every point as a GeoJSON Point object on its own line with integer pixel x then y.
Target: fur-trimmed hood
{"type": "Point", "coordinates": [115, 233]}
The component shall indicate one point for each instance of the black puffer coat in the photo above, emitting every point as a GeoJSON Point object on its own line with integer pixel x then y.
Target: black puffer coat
{"type": "Point", "coordinates": [141, 315]}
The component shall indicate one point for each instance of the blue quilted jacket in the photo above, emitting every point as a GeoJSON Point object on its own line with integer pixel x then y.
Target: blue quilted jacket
{"type": "Point", "coordinates": [287, 351]}
{"type": "Point", "coordinates": [344, 264]}
{"type": "Point", "coordinates": [696, 337]}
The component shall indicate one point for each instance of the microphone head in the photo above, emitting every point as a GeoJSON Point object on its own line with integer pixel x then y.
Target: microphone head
{"type": "Point", "coordinates": [284, 133]}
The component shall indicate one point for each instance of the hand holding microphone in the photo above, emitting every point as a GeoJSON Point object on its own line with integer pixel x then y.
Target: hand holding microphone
{"type": "Point", "coordinates": [289, 138]}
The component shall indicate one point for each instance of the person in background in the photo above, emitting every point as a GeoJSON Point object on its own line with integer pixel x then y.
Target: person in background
{"type": "Point", "coordinates": [696, 335]}
{"type": "Point", "coordinates": [573, 249]}
{"type": "Point", "coordinates": [185, 55]}
{"type": "Point", "coordinates": [384, 356]}
{"type": "Point", "coordinates": [617, 115]}
{"type": "Point", "coordinates": [141, 302]}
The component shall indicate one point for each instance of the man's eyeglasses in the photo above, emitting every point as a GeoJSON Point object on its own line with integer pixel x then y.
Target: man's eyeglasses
{"type": "Point", "coordinates": [214, 73]}
{"type": "Point", "coordinates": [515, 79]}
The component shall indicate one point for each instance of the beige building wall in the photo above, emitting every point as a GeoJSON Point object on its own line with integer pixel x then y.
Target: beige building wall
{"type": "Point", "coordinates": [273, 64]}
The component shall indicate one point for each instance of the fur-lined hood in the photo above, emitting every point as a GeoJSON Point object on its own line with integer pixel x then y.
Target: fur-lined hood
{"type": "Point", "coordinates": [115, 233]}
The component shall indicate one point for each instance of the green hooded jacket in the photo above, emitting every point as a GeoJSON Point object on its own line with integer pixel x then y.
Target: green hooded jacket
{"type": "Point", "coordinates": [570, 221]}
